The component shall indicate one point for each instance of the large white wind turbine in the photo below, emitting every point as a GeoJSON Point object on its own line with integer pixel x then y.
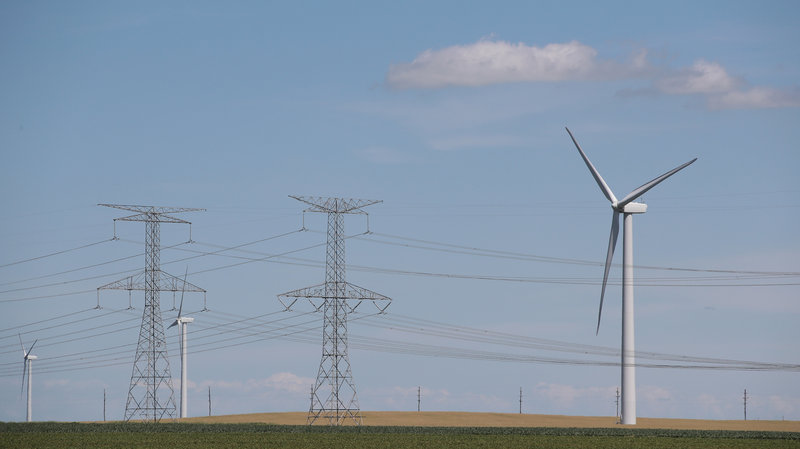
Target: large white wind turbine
{"type": "Point", "coordinates": [627, 207]}
{"type": "Point", "coordinates": [183, 321]}
{"type": "Point", "coordinates": [27, 358]}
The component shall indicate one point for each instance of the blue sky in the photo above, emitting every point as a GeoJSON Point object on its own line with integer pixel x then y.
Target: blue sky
{"type": "Point", "coordinates": [453, 114]}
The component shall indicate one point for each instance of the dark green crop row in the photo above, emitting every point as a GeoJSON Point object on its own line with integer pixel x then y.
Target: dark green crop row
{"type": "Point", "coordinates": [172, 427]}
{"type": "Point", "coordinates": [361, 440]}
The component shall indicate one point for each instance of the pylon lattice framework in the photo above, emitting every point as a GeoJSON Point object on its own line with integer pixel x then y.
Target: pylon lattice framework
{"type": "Point", "coordinates": [338, 299]}
{"type": "Point", "coordinates": [151, 396]}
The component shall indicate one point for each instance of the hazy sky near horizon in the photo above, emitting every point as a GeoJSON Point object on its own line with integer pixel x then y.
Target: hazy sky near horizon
{"type": "Point", "coordinates": [453, 114]}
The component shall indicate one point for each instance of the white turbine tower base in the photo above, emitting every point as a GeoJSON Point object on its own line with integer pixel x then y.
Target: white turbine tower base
{"type": "Point", "coordinates": [182, 321]}
{"type": "Point", "coordinates": [627, 207]}
{"type": "Point", "coordinates": [27, 365]}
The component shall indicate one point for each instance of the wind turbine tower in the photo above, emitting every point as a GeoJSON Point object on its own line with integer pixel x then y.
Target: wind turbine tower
{"type": "Point", "coordinates": [627, 207]}
{"type": "Point", "coordinates": [151, 396]}
{"type": "Point", "coordinates": [339, 298]}
{"type": "Point", "coordinates": [27, 360]}
{"type": "Point", "coordinates": [181, 321]}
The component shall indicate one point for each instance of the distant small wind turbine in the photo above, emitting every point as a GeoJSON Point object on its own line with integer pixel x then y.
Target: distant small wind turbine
{"type": "Point", "coordinates": [627, 207]}
{"type": "Point", "coordinates": [27, 359]}
{"type": "Point", "coordinates": [183, 321]}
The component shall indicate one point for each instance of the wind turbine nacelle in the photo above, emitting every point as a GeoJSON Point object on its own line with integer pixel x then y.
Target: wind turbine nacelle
{"type": "Point", "coordinates": [185, 319]}
{"type": "Point", "coordinates": [31, 357]}
{"type": "Point", "coordinates": [635, 208]}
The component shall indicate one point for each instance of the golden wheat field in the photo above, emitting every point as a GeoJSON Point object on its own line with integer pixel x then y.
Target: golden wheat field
{"type": "Point", "coordinates": [470, 419]}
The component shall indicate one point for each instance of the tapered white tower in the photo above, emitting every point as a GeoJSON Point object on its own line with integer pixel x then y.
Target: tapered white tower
{"type": "Point", "coordinates": [182, 321]}
{"type": "Point", "coordinates": [628, 208]}
{"type": "Point", "coordinates": [27, 369]}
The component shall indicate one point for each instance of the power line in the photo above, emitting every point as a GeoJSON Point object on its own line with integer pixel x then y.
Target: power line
{"type": "Point", "coordinates": [54, 253]}
{"type": "Point", "coordinates": [46, 320]}
{"type": "Point", "coordinates": [108, 262]}
{"type": "Point", "coordinates": [534, 257]}
{"type": "Point", "coordinates": [136, 270]}
{"type": "Point", "coordinates": [645, 282]}
{"type": "Point", "coordinates": [405, 347]}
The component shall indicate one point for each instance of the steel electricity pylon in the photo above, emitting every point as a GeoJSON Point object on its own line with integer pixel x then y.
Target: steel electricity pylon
{"type": "Point", "coordinates": [151, 396]}
{"type": "Point", "coordinates": [333, 396]}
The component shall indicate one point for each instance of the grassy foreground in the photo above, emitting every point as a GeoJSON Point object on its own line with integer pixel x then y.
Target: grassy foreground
{"type": "Point", "coordinates": [139, 435]}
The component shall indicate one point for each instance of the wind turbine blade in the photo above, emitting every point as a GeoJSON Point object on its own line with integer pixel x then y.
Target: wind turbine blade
{"type": "Point", "coordinates": [173, 324]}
{"type": "Point", "coordinates": [599, 179]}
{"type": "Point", "coordinates": [183, 289]}
{"type": "Point", "coordinates": [31, 348]}
{"type": "Point", "coordinates": [24, 352]}
{"type": "Point", "coordinates": [612, 244]}
{"type": "Point", "coordinates": [24, 372]}
{"type": "Point", "coordinates": [639, 191]}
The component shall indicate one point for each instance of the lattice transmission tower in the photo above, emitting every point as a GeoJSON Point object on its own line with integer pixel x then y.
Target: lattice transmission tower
{"type": "Point", "coordinates": [333, 396]}
{"type": "Point", "coordinates": [151, 395]}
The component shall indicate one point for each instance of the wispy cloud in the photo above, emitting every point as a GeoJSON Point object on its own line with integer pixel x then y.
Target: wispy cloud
{"type": "Point", "coordinates": [702, 77]}
{"type": "Point", "coordinates": [489, 62]}
{"type": "Point", "coordinates": [756, 98]}
{"type": "Point", "coordinates": [283, 382]}
{"type": "Point", "coordinates": [567, 394]}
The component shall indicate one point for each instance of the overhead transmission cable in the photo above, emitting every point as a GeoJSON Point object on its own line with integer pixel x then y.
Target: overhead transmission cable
{"type": "Point", "coordinates": [47, 319]}
{"type": "Point", "coordinates": [86, 267]}
{"type": "Point", "coordinates": [459, 249]}
{"type": "Point", "coordinates": [404, 347]}
{"type": "Point", "coordinates": [44, 256]}
{"type": "Point", "coordinates": [652, 282]}
{"type": "Point", "coordinates": [136, 270]}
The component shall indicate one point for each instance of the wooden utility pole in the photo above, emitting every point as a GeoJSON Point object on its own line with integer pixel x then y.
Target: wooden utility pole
{"type": "Point", "coordinates": [419, 397]}
{"type": "Point", "coordinates": [520, 400]}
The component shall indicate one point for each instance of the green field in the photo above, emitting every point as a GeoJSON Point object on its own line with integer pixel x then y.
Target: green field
{"type": "Point", "coordinates": [137, 435]}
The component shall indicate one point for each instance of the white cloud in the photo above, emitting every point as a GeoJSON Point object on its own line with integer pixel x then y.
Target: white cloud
{"type": "Point", "coordinates": [654, 394]}
{"type": "Point", "coordinates": [710, 405]}
{"type": "Point", "coordinates": [495, 62]}
{"type": "Point", "coordinates": [567, 394]}
{"type": "Point", "coordinates": [701, 78]}
{"type": "Point", "coordinates": [782, 405]}
{"type": "Point", "coordinates": [285, 382]}
{"type": "Point", "coordinates": [491, 62]}
{"type": "Point", "coordinates": [756, 98]}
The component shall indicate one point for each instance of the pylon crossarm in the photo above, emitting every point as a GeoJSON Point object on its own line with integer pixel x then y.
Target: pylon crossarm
{"type": "Point", "coordinates": [335, 205]}
{"type": "Point", "coordinates": [351, 292]}
{"type": "Point", "coordinates": [173, 284]}
{"type": "Point", "coordinates": [166, 282]}
{"type": "Point", "coordinates": [355, 292]}
{"type": "Point", "coordinates": [152, 209]}
{"type": "Point", "coordinates": [159, 218]}
{"type": "Point", "coordinates": [307, 292]}
{"type": "Point", "coordinates": [126, 283]}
